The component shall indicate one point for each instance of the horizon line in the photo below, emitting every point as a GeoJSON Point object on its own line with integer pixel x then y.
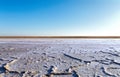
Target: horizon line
{"type": "Point", "coordinates": [60, 37]}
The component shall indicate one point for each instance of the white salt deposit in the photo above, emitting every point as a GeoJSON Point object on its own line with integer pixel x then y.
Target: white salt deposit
{"type": "Point", "coordinates": [60, 57]}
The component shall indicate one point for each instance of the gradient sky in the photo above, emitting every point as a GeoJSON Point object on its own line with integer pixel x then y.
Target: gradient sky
{"type": "Point", "coordinates": [60, 17]}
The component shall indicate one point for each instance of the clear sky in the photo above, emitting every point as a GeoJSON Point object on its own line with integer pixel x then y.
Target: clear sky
{"type": "Point", "coordinates": [59, 17]}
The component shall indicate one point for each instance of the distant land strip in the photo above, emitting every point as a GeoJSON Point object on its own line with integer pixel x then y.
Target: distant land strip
{"type": "Point", "coordinates": [87, 37]}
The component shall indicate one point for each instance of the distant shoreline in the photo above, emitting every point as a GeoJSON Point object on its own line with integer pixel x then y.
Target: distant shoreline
{"type": "Point", "coordinates": [79, 37]}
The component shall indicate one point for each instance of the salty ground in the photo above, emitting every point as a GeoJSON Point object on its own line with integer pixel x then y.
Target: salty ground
{"type": "Point", "coordinates": [59, 57]}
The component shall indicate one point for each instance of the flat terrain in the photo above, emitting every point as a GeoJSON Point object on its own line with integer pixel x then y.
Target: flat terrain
{"type": "Point", "coordinates": [59, 57]}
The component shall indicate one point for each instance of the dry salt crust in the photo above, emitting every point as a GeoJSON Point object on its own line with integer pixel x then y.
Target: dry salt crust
{"type": "Point", "coordinates": [59, 57]}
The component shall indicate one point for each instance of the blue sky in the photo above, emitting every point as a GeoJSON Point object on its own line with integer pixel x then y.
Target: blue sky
{"type": "Point", "coordinates": [59, 17]}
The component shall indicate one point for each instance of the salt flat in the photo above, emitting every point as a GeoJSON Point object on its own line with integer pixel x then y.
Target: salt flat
{"type": "Point", "coordinates": [59, 57]}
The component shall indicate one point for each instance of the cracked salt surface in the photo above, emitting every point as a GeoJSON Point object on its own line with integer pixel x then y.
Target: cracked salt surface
{"type": "Point", "coordinates": [60, 58]}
